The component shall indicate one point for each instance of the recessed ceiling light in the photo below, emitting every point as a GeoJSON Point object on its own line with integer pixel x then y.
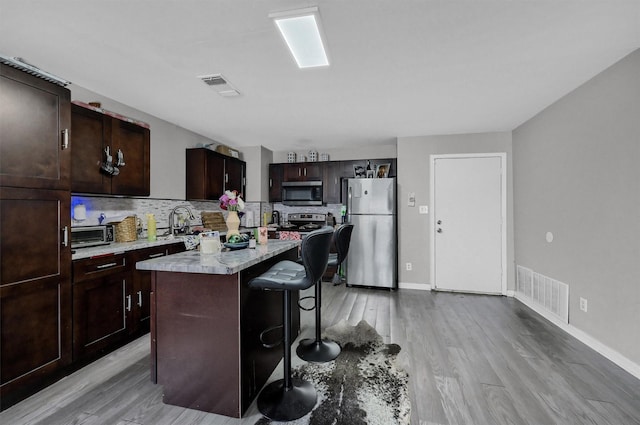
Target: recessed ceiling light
{"type": "Point", "coordinates": [301, 31]}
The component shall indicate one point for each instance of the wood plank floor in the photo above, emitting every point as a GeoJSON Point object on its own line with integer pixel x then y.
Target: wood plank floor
{"type": "Point", "coordinates": [472, 359]}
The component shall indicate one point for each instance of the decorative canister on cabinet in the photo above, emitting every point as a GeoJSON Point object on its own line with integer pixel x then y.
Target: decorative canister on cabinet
{"type": "Point", "coordinates": [291, 157]}
{"type": "Point", "coordinates": [324, 157]}
{"type": "Point", "coordinates": [313, 156]}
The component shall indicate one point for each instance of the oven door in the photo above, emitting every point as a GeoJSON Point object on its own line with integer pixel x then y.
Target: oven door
{"type": "Point", "coordinates": [302, 193]}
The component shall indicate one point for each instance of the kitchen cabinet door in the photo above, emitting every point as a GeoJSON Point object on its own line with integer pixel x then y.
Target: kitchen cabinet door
{"type": "Point", "coordinates": [334, 172]}
{"type": "Point", "coordinates": [234, 175]}
{"type": "Point", "coordinates": [142, 285]}
{"type": "Point", "coordinates": [210, 173]}
{"type": "Point", "coordinates": [102, 304]}
{"type": "Point", "coordinates": [36, 335]}
{"type": "Point", "coordinates": [276, 177]}
{"type": "Point", "coordinates": [205, 174]}
{"type": "Point", "coordinates": [35, 301]}
{"type": "Point", "coordinates": [91, 133]}
{"type": "Point", "coordinates": [35, 226]}
{"type": "Point", "coordinates": [134, 142]}
{"type": "Point", "coordinates": [34, 130]}
{"type": "Point", "coordinates": [302, 171]}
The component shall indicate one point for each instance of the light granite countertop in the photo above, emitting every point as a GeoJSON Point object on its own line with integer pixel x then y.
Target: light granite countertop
{"type": "Point", "coordinates": [120, 247]}
{"type": "Point", "coordinates": [226, 262]}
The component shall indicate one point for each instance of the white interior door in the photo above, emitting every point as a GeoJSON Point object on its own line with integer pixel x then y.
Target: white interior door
{"type": "Point", "coordinates": [468, 228]}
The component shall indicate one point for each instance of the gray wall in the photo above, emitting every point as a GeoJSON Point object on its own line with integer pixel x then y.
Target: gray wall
{"type": "Point", "coordinates": [577, 174]}
{"type": "Point", "coordinates": [258, 159]}
{"type": "Point", "coordinates": [413, 176]}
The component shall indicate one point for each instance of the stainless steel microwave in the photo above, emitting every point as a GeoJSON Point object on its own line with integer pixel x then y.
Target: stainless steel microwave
{"type": "Point", "coordinates": [302, 193]}
{"type": "Point", "coordinates": [91, 236]}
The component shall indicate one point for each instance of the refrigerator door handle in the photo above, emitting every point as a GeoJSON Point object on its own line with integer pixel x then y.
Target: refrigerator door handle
{"type": "Point", "coordinates": [349, 203]}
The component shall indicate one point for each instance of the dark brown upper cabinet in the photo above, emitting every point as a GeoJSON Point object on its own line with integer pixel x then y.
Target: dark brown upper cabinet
{"type": "Point", "coordinates": [210, 173]}
{"type": "Point", "coordinates": [302, 171]}
{"type": "Point", "coordinates": [34, 131]}
{"type": "Point", "coordinates": [92, 133]}
{"type": "Point", "coordinates": [276, 177]}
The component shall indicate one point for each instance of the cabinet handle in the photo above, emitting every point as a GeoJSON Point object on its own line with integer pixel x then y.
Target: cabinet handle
{"type": "Point", "coordinates": [299, 172]}
{"type": "Point", "coordinates": [105, 266]}
{"type": "Point", "coordinates": [305, 171]}
{"type": "Point", "coordinates": [139, 298]}
{"type": "Point", "coordinates": [65, 139]}
{"type": "Point", "coordinates": [65, 236]}
{"type": "Point", "coordinates": [128, 302]}
{"type": "Point", "coordinates": [159, 254]}
{"type": "Point", "coordinates": [270, 183]}
{"type": "Point", "coordinates": [226, 177]}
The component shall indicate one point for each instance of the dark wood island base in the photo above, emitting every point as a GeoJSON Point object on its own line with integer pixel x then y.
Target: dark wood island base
{"type": "Point", "coordinates": [205, 336]}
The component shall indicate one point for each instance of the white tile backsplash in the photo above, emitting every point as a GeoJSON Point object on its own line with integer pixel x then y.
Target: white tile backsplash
{"type": "Point", "coordinates": [113, 207]}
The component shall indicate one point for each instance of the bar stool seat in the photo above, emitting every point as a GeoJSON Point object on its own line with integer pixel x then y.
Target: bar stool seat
{"type": "Point", "coordinates": [288, 399]}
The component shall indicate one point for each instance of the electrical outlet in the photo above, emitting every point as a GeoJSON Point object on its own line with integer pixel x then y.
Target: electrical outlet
{"type": "Point", "coordinates": [424, 209]}
{"type": "Point", "coordinates": [583, 304]}
{"type": "Point", "coordinates": [409, 267]}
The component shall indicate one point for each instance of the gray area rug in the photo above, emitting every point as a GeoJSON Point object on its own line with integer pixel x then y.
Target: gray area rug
{"type": "Point", "coordinates": [362, 386]}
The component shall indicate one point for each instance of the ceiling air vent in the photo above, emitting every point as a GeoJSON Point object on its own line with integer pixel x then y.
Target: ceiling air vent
{"type": "Point", "coordinates": [220, 85]}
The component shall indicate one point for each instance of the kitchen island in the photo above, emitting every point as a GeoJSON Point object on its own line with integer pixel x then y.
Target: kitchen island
{"type": "Point", "coordinates": [206, 324]}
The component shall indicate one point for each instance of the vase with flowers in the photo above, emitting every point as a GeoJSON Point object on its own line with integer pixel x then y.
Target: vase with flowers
{"type": "Point", "coordinates": [232, 202]}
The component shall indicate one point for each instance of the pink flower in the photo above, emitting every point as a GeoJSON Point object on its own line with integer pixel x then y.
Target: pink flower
{"type": "Point", "coordinates": [231, 200]}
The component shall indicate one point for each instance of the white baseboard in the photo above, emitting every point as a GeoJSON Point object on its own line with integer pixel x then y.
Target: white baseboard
{"type": "Point", "coordinates": [587, 339]}
{"type": "Point", "coordinates": [418, 286]}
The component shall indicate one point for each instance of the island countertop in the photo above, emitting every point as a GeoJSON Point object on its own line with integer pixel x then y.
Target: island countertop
{"type": "Point", "coordinates": [227, 262]}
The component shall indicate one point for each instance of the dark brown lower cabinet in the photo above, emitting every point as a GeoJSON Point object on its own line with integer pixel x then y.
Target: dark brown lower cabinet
{"type": "Point", "coordinates": [142, 284]}
{"type": "Point", "coordinates": [35, 289]}
{"type": "Point", "coordinates": [36, 335]}
{"type": "Point", "coordinates": [102, 304]}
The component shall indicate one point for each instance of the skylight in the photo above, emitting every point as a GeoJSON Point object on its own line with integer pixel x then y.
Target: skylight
{"type": "Point", "coordinates": [301, 31]}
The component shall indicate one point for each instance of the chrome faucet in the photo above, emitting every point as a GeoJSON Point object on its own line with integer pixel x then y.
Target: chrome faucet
{"type": "Point", "coordinates": [175, 230]}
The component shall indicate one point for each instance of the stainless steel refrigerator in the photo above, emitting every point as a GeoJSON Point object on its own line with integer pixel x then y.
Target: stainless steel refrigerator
{"type": "Point", "coordinates": [371, 208]}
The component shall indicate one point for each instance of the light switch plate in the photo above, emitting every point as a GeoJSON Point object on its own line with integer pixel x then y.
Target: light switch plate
{"type": "Point", "coordinates": [424, 209]}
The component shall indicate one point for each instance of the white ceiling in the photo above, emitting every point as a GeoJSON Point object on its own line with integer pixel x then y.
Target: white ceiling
{"type": "Point", "coordinates": [398, 67]}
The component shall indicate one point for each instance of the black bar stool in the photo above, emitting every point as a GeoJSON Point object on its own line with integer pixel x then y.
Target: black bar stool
{"type": "Point", "coordinates": [288, 399]}
{"type": "Point", "coordinates": [342, 240]}
{"type": "Point", "coordinates": [319, 350]}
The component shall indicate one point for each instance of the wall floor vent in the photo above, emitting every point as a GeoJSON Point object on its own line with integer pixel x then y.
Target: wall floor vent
{"type": "Point", "coordinates": [549, 294]}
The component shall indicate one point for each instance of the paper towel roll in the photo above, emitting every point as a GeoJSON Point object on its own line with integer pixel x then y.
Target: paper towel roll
{"type": "Point", "coordinates": [249, 220]}
{"type": "Point", "coordinates": [80, 212]}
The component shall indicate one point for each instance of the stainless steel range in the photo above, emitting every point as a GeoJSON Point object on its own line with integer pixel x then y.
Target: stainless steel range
{"type": "Point", "coordinates": [303, 222]}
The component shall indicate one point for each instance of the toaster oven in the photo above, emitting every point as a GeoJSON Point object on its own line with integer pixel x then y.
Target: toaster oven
{"type": "Point", "coordinates": [86, 236]}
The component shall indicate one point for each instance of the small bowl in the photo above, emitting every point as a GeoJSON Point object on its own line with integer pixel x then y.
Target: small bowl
{"type": "Point", "coordinates": [237, 245]}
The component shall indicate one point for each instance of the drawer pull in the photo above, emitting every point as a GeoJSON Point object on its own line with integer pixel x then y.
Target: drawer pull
{"type": "Point", "coordinates": [128, 302]}
{"type": "Point", "coordinates": [106, 266]}
{"type": "Point", "coordinates": [139, 298]}
{"type": "Point", "coordinates": [159, 254]}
